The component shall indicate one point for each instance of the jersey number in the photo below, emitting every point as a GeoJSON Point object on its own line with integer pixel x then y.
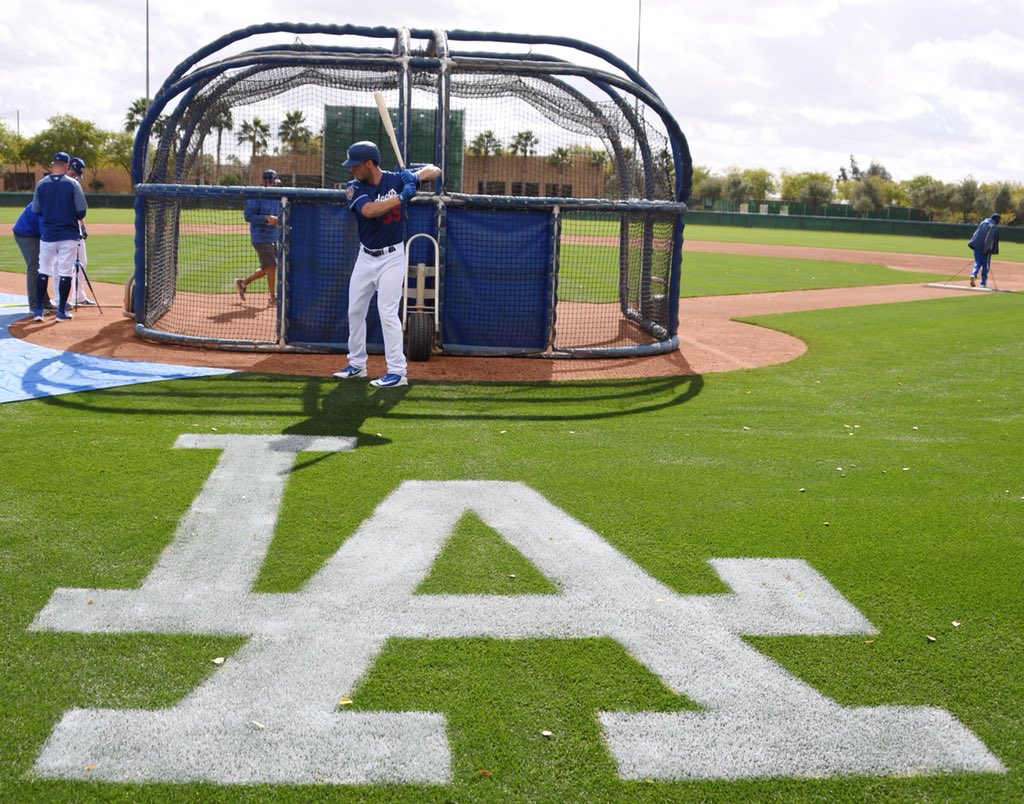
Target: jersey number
{"type": "Point", "coordinates": [392, 215]}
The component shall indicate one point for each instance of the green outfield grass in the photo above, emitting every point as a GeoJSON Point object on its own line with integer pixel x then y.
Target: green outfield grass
{"type": "Point", "coordinates": [589, 272]}
{"type": "Point", "coordinates": [900, 244]}
{"type": "Point", "coordinates": [95, 215]}
{"type": "Point", "coordinates": [887, 457]}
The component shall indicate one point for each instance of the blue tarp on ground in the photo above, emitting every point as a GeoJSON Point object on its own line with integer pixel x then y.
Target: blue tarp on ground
{"type": "Point", "coordinates": [28, 371]}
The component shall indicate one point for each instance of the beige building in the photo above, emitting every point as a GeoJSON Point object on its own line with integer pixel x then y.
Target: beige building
{"type": "Point", "coordinates": [531, 176]}
{"type": "Point", "coordinates": [105, 180]}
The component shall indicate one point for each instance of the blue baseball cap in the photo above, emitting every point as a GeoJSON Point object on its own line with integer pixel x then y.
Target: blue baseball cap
{"type": "Point", "coordinates": [362, 151]}
{"type": "Point", "coordinates": [61, 156]}
{"type": "Point", "coordinates": [77, 164]}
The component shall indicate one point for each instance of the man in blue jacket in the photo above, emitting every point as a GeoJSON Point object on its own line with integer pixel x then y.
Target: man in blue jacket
{"type": "Point", "coordinates": [27, 230]}
{"type": "Point", "coordinates": [985, 242]}
{"type": "Point", "coordinates": [263, 215]}
{"type": "Point", "coordinates": [60, 203]}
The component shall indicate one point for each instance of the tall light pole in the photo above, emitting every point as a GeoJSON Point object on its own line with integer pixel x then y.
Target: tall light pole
{"type": "Point", "coordinates": [147, 56]}
{"type": "Point", "coordinates": [639, 14]}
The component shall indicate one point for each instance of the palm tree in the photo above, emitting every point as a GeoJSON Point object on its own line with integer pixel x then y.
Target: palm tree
{"type": "Point", "coordinates": [524, 144]}
{"type": "Point", "coordinates": [133, 117]}
{"type": "Point", "coordinates": [485, 144]}
{"type": "Point", "coordinates": [222, 121]}
{"type": "Point", "coordinates": [257, 134]}
{"type": "Point", "coordinates": [560, 159]}
{"type": "Point", "coordinates": [295, 136]}
{"type": "Point", "coordinates": [136, 112]}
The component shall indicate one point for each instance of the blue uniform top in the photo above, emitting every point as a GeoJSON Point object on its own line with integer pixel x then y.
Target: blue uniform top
{"type": "Point", "coordinates": [28, 223]}
{"type": "Point", "coordinates": [986, 237]}
{"type": "Point", "coordinates": [256, 211]}
{"type": "Point", "coordinates": [60, 203]}
{"type": "Point", "coordinates": [386, 230]}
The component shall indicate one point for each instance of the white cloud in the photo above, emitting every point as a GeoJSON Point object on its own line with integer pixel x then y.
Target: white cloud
{"type": "Point", "coordinates": [923, 86]}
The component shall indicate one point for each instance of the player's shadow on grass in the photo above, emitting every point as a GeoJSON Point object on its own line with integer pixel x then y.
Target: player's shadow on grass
{"type": "Point", "coordinates": [325, 406]}
{"type": "Point", "coordinates": [341, 407]}
{"type": "Point", "coordinates": [559, 401]}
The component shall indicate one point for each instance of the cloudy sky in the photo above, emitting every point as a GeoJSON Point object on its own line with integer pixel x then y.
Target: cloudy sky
{"type": "Point", "coordinates": [922, 86]}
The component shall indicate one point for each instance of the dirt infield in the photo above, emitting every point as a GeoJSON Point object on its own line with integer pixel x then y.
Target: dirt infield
{"type": "Point", "coordinates": [710, 341]}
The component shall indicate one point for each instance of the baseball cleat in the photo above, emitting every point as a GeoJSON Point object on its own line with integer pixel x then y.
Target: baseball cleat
{"type": "Point", "coordinates": [240, 285]}
{"type": "Point", "coordinates": [37, 314]}
{"type": "Point", "coordinates": [64, 315]}
{"type": "Point", "coordinates": [389, 381]}
{"type": "Point", "coordinates": [349, 372]}
{"type": "Point", "coordinates": [86, 302]}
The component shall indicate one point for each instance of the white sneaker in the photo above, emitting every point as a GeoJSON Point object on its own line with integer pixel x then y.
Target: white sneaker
{"type": "Point", "coordinates": [349, 372]}
{"type": "Point", "coordinates": [389, 381]}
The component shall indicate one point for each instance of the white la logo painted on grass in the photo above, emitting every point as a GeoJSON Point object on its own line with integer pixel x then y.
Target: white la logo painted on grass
{"type": "Point", "coordinates": [270, 714]}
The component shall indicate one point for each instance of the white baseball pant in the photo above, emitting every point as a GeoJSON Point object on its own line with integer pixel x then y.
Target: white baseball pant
{"type": "Point", "coordinates": [385, 275]}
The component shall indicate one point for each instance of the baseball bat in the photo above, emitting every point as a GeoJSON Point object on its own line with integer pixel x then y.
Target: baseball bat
{"type": "Point", "coordinates": [385, 118]}
{"type": "Point", "coordinates": [80, 267]}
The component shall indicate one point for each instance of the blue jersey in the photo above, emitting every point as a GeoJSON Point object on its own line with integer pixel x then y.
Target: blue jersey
{"type": "Point", "coordinates": [60, 202]}
{"type": "Point", "coordinates": [986, 237]}
{"type": "Point", "coordinates": [386, 230]}
{"type": "Point", "coordinates": [256, 211]}
{"type": "Point", "coordinates": [28, 223]}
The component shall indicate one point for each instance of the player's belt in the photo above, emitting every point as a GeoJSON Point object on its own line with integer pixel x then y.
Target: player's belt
{"type": "Point", "coordinates": [379, 252]}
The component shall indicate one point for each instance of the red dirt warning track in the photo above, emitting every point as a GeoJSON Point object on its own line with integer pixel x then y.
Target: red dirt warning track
{"type": "Point", "coordinates": [709, 340]}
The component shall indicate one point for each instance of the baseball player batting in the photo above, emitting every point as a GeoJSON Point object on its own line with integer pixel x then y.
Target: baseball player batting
{"type": "Point", "coordinates": [377, 198]}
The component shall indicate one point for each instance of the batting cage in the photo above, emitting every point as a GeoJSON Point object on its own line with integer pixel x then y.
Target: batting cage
{"type": "Point", "coordinates": [556, 227]}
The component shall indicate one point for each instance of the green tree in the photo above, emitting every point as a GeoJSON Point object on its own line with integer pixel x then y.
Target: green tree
{"type": "Point", "coordinates": [999, 198]}
{"type": "Point", "coordinates": [485, 144]}
{"type": "Point", "coordinates": [295, 136]}
{"type": "Point", "coordinates": [524, 144]}
{"type": "Point", "coordinates": [1018, 210]}
{"type": "Point", "coordinates": [117, 150]}
{"type": "Point", "coordinates": [137, 111]}
{"type": "Point", "coordinates": [587, 154]}
{"type": "Point", "coordinates": [700, 175]}
{"type": "Point", "coordinates": [66, 133]}
{"type": "Point", "coordinates": [866, 195]}
{"type": "Point", "coordinates": [665, 175]}
{"type": "Point", "coordinates": [10, 145]}
{"type": "Point", "coordinates": [759, 182]}
{"type": "Point", "coordinates": [222, 121]}
{"type": "Point", "coordinates": [133, 117]}
{"type": "Point", "coordinates": [816, 191]}
{"type": "Point", "coordinates": [794, 185]}
{"type": "Point", "coordinates": [927, 193]}
{"type": "Point", "coordinates": [257, 134]}
{"type": "Point", "coordinates": [709, 190]}
{"type": "Point", "coordinates": [12, 148]}
{"type": "Point", "coordinates": [965, 198]}
{"type": "Point", "coordinates": [560, 158]}
{"type": "Point", "coordinates": [734, 186]}
{"type": "Point", "coordinates": [878, 171]}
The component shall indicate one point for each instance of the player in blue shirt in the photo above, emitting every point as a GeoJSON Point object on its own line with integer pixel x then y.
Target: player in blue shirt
{"type": "Point", "coordinates": [27, 230]}
{"type": "Point", "coordinates": [985, 242]}
{"type": "Point", "coordinates": [376, 197]}
{"type": "Point", "coordinates": [263, 216]}
{"type": "Point", "coordinates": [76, 170]}
{"type": "Point", "coordinates": [60, 203]}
